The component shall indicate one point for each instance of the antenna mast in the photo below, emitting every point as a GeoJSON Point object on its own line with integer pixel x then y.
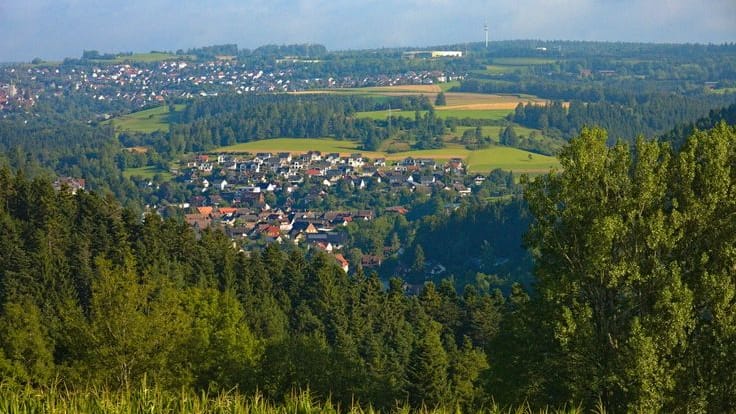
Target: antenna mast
{"type": "Point", "coordinates": [485, 29]}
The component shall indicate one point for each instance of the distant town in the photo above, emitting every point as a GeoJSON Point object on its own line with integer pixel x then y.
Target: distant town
{"type": "Point", "coordinates": [144, 84]}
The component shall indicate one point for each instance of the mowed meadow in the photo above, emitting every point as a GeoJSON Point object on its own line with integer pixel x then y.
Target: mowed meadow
{"type": "Point", "coordinates": [145, 121]}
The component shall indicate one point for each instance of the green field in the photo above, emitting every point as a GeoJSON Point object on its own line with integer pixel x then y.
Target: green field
{"type": "Point", "coordinates": [492, 114]}
{"type": "Point", "coordinates": [479, 161]}
{"type": "Point", "coordinates": [147, 172]}
{"type": "Point", "coordinates": [448, 85]}
{"type": "Point", "coordinates": [294, 145]}
{"type": "Point", "coordinates": [146, 121]}
{"type": "Point", "coordinates": [521, 61]}
{"type": "Point", "coordinates": [510, 159]}
{"type": "Point", "coordinates": [499, 69]}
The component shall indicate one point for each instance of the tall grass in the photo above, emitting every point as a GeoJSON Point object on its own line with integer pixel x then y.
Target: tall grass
{"type": "Point", "coordinates": [153, 400]}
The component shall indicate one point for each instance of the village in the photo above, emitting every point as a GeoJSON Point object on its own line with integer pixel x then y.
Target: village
{"type": "Point", "coordinates": [263, 198]}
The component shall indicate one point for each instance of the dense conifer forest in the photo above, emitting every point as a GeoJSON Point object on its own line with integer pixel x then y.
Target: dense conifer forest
{"type": "Point", "coordinates": [631, 306]}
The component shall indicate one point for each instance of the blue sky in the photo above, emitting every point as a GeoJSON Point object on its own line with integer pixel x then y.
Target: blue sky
{"type": "Point", "coordinates": [54, 29]}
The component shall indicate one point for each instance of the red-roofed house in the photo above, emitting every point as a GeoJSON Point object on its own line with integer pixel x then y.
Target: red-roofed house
{"type": "Point", "coordinates": [227, 210]}
{"type": "Point", "coordinates": [206, 211]}
{"type": "Point", "coordinates": [344, 264]}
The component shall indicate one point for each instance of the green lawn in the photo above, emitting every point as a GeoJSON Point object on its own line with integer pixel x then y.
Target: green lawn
{"type": "Point", "coordinates": [448, 85]}
{"type": "Point", "coordinates": [511, 159]}
{"type": "Point", "coordinates": [293, 145]}
{"type": "Point", "coordinates": [146, 121]}
{"type": "Point", "coordinates": [147, 172]}
{"type": "Point", "coordinates": [522, 61]}
{"type": "Point", "coordinates": [493, 114]}
{"type": "Point", "coordinates": [499, 69]}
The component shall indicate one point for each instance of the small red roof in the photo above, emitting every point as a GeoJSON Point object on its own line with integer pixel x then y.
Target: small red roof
{"type": "Point", "coordinates": [205, 210]}
{"type": "Point", "coordinates": [341, 259]}
{"type": "Point", "coordinates": [273, 231]}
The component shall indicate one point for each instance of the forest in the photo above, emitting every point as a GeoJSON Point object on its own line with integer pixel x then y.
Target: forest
{"type": "Point", "coordinates": [631, 306]}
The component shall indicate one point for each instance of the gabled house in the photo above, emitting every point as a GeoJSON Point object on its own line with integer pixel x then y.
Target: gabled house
{"type": "Point", "coordinates": [333, 158]}
{"type": "Point", "coordinates": [461, 189]}
{"type": "Point", "coordinates": [73, 185]}
{"type": "Point", "coordinates": [342, 262]}
{"type": "Point", "coordinates": [284, 157]}
{"type": "Point", "coordinates": [369, 261]}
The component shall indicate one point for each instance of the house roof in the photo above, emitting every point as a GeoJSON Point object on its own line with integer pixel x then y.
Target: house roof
{"type": "Point", "coordinates": [341, 259]}
{"type": "Point", "coordinates": [205, 210]}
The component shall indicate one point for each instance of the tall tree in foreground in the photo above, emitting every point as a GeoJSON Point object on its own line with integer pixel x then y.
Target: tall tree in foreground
{"type": "Point", "coordinates": [704, 212]}
{"type": "Point", "coordinates": [635, 260]}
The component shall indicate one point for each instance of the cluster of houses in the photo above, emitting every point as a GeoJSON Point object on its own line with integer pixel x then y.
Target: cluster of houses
{"type": "Point", "coordinates": [145, 84]}
{"type": "Point", "coordinates": [315, 230]}
{"type": "Point", "coordinates": [70, 184]}
{"type": "Point", "coordinates": [232, 189]}
{"type": "Point", "coordinates": [244, 179]}
{"type": "Point", "coordinates": [13, 97]}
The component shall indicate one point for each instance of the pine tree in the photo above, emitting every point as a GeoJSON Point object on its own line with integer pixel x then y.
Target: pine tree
{"type": "Point", "coordinates": [427, 373]}
{"type": "Point", "coordinates": [441, 100]}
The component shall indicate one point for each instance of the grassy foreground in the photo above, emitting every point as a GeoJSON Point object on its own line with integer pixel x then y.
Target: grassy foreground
{"type": "Point", "coordinates": [147, 172]}
{"type": "Point", "coordinates": [29, 400]}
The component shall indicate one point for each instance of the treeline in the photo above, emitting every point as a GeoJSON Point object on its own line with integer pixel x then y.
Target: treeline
{"type": "Point", "coordinates": [679, 134]}
{"type": "Point", "coordinates": [69, 148]}
{"type": "Point", "coordinates": [651, 118]}
{"type": "Point", "coordinates": [570, 87]}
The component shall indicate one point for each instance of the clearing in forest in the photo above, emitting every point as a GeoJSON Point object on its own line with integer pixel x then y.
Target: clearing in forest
{"type": "Point", "coordinates": [146, 121]}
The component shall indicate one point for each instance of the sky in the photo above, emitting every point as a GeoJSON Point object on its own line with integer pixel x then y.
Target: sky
{"type": "Point", "coordinates": [55, 29]}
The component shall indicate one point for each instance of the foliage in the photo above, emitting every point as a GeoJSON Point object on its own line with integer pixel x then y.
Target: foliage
{"type": "Point", "coordinates": [93, 297]}
{"type": "Point", "coordinates": [633, 265]}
